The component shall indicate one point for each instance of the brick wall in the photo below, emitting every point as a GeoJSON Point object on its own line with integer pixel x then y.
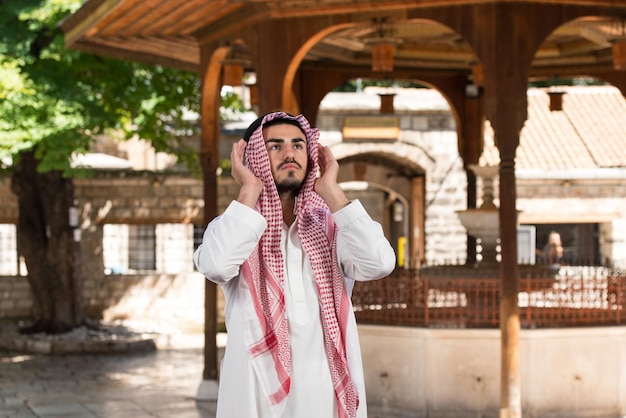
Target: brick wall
{"type": "Point", "coordinates": [15, 297]}
{"type": "Point", "coordinates": [124, 198]}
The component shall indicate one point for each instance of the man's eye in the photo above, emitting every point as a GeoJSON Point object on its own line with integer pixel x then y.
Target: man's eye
{"type": "Point", "coordinates": [298, 146]}
{"type": "Point", "coordinates": [274, 147]}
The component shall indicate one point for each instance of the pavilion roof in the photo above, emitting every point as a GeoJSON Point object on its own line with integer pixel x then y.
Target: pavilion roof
{"type": "Point", "coordinates": [170, 32]}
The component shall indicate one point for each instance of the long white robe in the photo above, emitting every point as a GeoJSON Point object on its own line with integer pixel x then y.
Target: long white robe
{"type": "Point", "coordinates": [363, 254]}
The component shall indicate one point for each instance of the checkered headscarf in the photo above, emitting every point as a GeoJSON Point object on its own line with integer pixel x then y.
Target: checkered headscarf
{"type": "Point", "coordinates": [264, 272]}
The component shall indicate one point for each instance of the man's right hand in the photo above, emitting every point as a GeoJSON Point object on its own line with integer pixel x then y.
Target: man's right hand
{"type": "Point", "coordinates": [251, 185]}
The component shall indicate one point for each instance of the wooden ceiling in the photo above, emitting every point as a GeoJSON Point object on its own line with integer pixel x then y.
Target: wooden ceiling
{"type": "Point", "coordinates": [169, 32]}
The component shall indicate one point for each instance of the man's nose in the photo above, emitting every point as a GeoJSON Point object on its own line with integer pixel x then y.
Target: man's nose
{"type": "Point", "coordinates": [289, 151]}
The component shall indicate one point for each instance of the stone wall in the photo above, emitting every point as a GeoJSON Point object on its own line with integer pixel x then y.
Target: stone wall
{"type": "Point", "coordinates": [15, 297]}
{"type": "Point", "coordinates": [124, 197]}
{"type": "Point", "coordinates": [456, 373]}
{"type": "Point", "coordinates": [427, 143]}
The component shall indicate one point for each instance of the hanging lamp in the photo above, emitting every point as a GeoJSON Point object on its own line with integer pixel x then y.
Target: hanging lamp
{"type": "Point", "coordinates": [618, 42]}
{"type": "Point", "coordinates": [234, 65]}
{"type": "Point", "coordinates": [383, 46]}
{"type": "Point", "coordinates": [232, 73]}
{"type": "Point", "coordinates": [619, 55]}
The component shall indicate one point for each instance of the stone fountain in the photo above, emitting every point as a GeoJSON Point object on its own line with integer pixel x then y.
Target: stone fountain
{"type": "Point", "coordinates": [484, 223]}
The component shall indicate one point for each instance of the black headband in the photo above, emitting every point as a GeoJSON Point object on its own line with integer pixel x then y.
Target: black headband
{"type": "Point", "coordinates": [280, 120]}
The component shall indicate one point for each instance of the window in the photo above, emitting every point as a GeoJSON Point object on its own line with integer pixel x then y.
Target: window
{"type": "Point", "coordinates": [163, 248]}
{"type": "Point", "coordinates": [526, 243]}
{"type": "Point", "coordinates": [142, 247]}
{"type": "Point", "coordinates": [580, 242]}
{"type": "Point", "coordinates": [198, 232]}
{"type": "Point", "coordinates": [174, 248]}
{"type": "Point", "coordinates": [9, 265]}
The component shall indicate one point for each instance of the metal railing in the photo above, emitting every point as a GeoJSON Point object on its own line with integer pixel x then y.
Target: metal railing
{"type": "Point", "coordinates": [463, 297]}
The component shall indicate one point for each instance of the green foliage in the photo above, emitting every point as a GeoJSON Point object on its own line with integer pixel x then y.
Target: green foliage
{"type": "Point", "coordinates": [232, 105]}
{"type": "Point", "coordinates": [55, 100]}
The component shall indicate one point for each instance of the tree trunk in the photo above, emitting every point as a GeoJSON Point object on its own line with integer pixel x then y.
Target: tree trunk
{"type": "Point", "coordinates": [50, 249]}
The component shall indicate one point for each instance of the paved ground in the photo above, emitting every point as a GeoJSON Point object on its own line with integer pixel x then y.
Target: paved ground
{"type": "Point", "coordinates": [156, 384]}
{"type": "Point", "coordinates": [122, 382]}
{"type": "Point", "coordinates": [138, 384]}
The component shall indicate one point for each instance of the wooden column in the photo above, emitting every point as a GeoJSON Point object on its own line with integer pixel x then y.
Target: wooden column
{"type": "Point", "coordinates": [507, 112]}
{"type": "Point", "coordinates": [209, 158]}
{"type": "Point", "coordinates": [272, 63]}
{"type": "Point", "coordinates": [505, 62]}
{"type": "Point", "coordinates": [313, 85]}
{"type": "Point", "coordinates": [510, 389]}
{"type": "Point", "coordinates": [416, 220]}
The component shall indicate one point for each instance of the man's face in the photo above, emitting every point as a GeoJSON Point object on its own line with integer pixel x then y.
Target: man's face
{"type": "Point", "coordinates": [287, 150]}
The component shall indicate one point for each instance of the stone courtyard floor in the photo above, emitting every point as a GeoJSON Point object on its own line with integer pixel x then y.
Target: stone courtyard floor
{"type": "Point", "coordinates": [161, 383]}
{"type": "Point", "coordinates": [124, 380]}
{"type": "Point", "coordinates": [155, 374]}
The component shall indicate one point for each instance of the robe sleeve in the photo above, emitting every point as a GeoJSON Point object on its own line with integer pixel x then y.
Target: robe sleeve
{"type": "Point", "coordinates": [228, 241]}
{"type": "Point", "coordinates": [363, 252]}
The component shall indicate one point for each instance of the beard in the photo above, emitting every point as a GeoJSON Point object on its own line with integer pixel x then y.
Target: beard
{"type": "Point", "coordinates": [289, 185]}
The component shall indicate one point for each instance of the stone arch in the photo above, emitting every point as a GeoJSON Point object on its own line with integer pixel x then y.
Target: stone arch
{"type": "Point", "coordinates": [390, 209]}
{"type": "Point", "coordinates": [410, 160]}
{"type": "Point", "coordinates": [392, 168]}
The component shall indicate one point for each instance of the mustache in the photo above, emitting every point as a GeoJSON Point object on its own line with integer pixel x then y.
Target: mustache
{"type": "Point", "coordinates": [289, 161]}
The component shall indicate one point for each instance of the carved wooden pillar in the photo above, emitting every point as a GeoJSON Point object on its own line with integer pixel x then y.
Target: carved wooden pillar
{"type": "Point", "coordinates": [276, 64]}
{"type": "Point", "coordinates": [510, 390]}
{"type": "Point", "coordinates": [312, 85]}
{"type": "Point", "coordinates": [416, 219]}
{"type": "Point", "coordinates": [271, 62]}
{"type": "Point", "coordinates": [506, 62]}
{"type": "Point", "coordinates": [506, 79]}
{"type": "Point", "coordinates": [209, 158]}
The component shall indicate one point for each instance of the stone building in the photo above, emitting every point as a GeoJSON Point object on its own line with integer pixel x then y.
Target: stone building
{"type": "Point", "coordinates": [398, 153]}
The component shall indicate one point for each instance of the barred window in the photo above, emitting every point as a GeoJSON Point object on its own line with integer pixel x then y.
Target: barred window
{"type": "Point", "coordinates": [163, 248]}
{"type": "Point", "coordinates": [142, 247]}
{"type": "Point", "coordinates": [198, 232]}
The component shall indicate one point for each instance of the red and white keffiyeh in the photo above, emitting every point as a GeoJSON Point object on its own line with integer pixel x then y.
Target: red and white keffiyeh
{"type": "Point", "coordinates": [264, 273]}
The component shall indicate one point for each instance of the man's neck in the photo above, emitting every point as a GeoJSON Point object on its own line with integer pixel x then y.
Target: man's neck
{"type": "Point", "coordinates": [288, 203]}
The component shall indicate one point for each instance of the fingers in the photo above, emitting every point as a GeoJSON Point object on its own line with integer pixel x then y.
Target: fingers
{"type": "Point", "coordinates": [325, 158]}
{"type": "Point", "coordinates": [236, 160]}
{"type": "Point", "coordinates": [326, 185]}
{"type": "Point", "coordinates": [239, 148]}
{"type": "Point", "coordinates": [238, 152]}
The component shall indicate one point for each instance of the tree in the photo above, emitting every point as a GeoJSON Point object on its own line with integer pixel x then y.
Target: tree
{"type": "Point", "coordinates": [53, 102]}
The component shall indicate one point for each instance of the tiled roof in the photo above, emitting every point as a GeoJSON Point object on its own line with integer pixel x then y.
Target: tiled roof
{"type": "Point", "coordinates": [590, 131]}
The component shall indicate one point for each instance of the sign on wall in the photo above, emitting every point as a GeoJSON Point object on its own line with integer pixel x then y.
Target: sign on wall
{"type": "Point", "coordinates": [371, 128]}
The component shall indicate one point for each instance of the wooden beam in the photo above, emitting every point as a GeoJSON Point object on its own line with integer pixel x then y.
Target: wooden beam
{"type": "Point", "coordinates": [84, 22]}
{"type": "Point", "coordinates": [114, 51]}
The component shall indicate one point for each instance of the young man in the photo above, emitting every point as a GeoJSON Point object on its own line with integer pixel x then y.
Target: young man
{"type": "Point", "coordinates": [287, 253]}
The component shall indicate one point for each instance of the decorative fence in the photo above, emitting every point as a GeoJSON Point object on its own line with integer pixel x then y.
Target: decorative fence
{"type": "Point", "coordinates": [466, 297]}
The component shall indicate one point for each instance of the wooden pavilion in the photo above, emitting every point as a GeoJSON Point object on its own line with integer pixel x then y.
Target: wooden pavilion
{"type": "Point", "coordinates": [480, 54]}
